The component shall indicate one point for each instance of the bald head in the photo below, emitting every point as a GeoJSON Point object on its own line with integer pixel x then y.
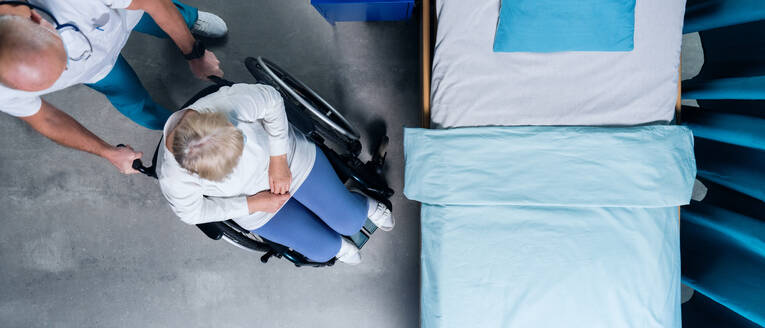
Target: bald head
{"type": "Point", "coordinates": [32, 57]}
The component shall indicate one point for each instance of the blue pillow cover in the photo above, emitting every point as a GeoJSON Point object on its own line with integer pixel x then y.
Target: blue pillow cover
{"type": "Point", "coordinates": [565, 25]}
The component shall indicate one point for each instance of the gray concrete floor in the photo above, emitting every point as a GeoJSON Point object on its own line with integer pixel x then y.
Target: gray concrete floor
{"type": "Point", "coordinates": [83, 246]}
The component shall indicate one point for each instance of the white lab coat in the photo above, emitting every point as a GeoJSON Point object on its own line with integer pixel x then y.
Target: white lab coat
{"type": "Point", "coordinates": [106, 23]}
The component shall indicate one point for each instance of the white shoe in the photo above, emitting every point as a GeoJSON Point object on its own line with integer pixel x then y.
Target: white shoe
{"type": "Point", "coordinates": [209, 26]}
{"type": "Point", "coordinates": [348, 253]}
{"type": "Point", "coordinates": [380, 215]}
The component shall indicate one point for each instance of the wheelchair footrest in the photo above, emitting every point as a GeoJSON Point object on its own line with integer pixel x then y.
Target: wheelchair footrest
{"type": "Point", "coordinates": [361, 237]}
{"type": "Point", "coordinates": [369, 227]}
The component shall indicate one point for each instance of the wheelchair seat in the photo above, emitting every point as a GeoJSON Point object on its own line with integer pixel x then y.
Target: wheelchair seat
{"type": "Point", "coordinates": [323, 125]}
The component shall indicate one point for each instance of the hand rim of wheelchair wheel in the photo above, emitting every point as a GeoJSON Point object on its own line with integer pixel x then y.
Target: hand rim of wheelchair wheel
{"type": "Point", "coordinates": [234, 237]}
{"type": "Point", "coordinates": [347, 130]}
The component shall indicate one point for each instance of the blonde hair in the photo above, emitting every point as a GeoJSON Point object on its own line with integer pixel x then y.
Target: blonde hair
{"type": "Point", "coordinates": [208, 144]}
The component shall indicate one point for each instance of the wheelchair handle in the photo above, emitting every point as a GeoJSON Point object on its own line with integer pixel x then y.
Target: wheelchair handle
{"type": "Point", "coordinates": [138, 166]}
{"type": "Point", "coordinates": [220, 81]}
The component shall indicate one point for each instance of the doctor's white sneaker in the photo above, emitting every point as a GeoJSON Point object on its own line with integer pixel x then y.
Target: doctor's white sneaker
{"type": "Point", "coordinates": [348, 253]}
{"type": "Point", "coordinates": [209, 26]}
{"type": "Point", "coordinates": [380, 215]}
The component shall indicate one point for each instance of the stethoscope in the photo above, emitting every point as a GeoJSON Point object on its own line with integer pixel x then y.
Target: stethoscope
{"type": "Point", "coordinates": [60, 28]}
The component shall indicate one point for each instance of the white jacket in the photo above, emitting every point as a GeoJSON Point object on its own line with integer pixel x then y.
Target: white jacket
{"type": "Point", "coordinates": [107, 26]}
{"type": "Point", "coordinates": [258, 111]}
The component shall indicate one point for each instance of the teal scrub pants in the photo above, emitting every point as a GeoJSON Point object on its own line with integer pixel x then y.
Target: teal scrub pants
{"type": "Point", "coordinates": [122, 87]}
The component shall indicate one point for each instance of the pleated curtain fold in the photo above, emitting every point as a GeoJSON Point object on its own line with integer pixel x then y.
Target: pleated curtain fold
{"type": "Point", "coordinates": [723, 236]}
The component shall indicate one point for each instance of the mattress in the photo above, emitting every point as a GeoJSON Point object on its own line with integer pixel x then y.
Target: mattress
{"type": "Point", "coordinates": [550, 226]}
{"type": "Point", "coordinates": [473, 86]}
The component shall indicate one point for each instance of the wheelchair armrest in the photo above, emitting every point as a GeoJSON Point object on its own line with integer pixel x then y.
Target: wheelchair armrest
{"type": "Point", "coordinates": [211, 229]}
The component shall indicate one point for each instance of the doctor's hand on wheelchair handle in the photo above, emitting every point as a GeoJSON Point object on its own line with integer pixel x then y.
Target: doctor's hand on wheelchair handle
{"type": "Point", "coordinates": [266, 201]}
{"type": "Point", "coordinates": [205, 66]}
{"type": "Point", "coordinates": [125, 159]}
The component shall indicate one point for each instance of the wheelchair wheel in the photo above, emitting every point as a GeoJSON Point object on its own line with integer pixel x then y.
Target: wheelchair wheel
{"type": "Point", "coordinates": [242, 238]}
{"type": "Point", "coordinates": [332, 124]}
{"type": "Point", "coordinates": [237, 236]}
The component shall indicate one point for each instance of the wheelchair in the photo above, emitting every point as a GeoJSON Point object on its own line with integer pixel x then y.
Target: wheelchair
{"type": "Point", "coordinates": [329, 130]}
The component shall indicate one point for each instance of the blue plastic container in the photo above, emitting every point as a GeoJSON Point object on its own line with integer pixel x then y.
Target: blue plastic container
{"type": "Point", "coordinates": [360, 10]}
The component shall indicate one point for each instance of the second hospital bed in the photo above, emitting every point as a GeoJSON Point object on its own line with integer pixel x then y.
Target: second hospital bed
{"type": "Point", "coordinates": [526, 223]}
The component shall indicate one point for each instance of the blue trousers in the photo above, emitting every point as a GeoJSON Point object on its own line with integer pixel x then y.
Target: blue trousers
{"type": "Point", "coordinates": [322, 210]}
{"type": "Point", "coordinates": [123, 88]}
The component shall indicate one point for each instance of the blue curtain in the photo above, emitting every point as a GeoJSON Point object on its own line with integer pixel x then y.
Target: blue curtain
{"type": "Point", "coordinates": [723, 236]}
{"type": "Point", "coordinates": [703, 312]}
{"type": "Point", "coordinates": [733, 63]}
{"type": "Point", "coordinates": [703, 15]}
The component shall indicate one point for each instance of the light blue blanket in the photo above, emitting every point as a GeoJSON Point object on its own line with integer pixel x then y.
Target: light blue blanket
{"type": "Point", "coordinates": [550, 226]}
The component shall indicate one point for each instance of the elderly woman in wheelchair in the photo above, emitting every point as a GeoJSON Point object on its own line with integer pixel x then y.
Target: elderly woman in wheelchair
{"type": "Point", "coordinates": [233, 154]}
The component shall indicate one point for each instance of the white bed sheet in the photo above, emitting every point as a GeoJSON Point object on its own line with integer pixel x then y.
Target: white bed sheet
{"type": "Point", "coordinates": [473, 86]}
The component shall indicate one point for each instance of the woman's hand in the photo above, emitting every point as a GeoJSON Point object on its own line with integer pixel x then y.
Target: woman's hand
{"type": "Point", "coordinates": [279, 175]}
{"type": "Point", "coordinates": [265, 201]}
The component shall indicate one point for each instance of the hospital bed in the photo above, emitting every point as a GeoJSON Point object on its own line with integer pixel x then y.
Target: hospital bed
{"type": "Point", "coordinates": [326, 127]}
{"type": "Point", "coordinates": [551, 184]}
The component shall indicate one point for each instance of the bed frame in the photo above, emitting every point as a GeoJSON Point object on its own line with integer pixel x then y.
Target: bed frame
{"type": "Point", "coordinates": [427, 34]}
{"type": "Point", "coordinates": [427, 37]}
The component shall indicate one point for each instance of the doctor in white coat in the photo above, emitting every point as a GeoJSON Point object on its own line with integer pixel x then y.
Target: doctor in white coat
{"type": "Point", "coordinates": [49, 45]}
